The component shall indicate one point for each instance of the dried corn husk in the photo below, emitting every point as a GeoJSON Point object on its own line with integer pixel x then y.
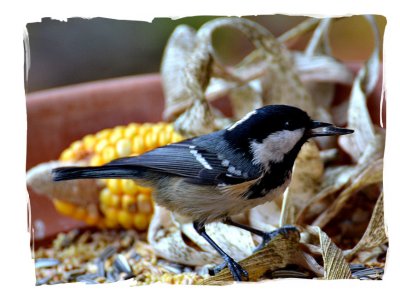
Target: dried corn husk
{"type": "Point", "coordinates": [372, 175]}
{"type": "Point", "coordinates": [202, 66]}
{"type": "Point", "coordinates": [280, 252]}
{"type": "Point", "coordinates": [375, 234]}
{"type": "Point", "coordinates": [79, 192]}
{"type": "Point", "coordinates": [335, 266]}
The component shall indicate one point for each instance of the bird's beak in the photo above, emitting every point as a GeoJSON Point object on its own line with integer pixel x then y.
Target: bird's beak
{"type": "Point", "coordinates": [325, 129]}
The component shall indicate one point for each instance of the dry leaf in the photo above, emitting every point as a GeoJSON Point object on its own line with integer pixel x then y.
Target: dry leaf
{"type": "Point", "coordinates": [302, 28]}
{"type": "Point", "coordinates": [375, 234]}
{"type": "Point", "coordinates": [373, 174]}
{"type": "Point", "coordinates": [176, 55]}
{"type": "Point", "coordinates": [202, 65]}
{"type": "Point", "coordinates": [335, 266]}
{"type": "Point", "coordinates": [365, 136]}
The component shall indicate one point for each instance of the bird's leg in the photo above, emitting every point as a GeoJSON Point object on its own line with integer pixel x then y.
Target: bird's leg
{"type": "Point", "coordinates": [266, 236]}
{"type": "Point", "coordinates": [238, 273]}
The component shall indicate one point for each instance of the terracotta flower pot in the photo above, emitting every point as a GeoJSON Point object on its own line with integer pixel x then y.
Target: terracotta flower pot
{"type": "Point", "coordinates": [60, 116]}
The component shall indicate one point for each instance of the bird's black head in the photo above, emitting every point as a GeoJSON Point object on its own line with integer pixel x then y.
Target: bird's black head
{"type": "Point", "coordinates": [273, 131]}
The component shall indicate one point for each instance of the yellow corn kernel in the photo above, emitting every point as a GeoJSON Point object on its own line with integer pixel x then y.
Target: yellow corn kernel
{"type": "Point", "coordinates": [176, 138]}
{"type": "Point", "coordinates": [125, 219]}
{"type": "Point", "coordinates": [109, 153]}
{"type": "Point", "coordinates": [144, 190]}
{"type": "Point", "coordinates": [162, 140]}
{"type": "Point", "coordinates": [79, 213]}
{"type": "Point", "coordinates": [111, 214]}
{"type": "Point", "coordinates": [67, 155]}
{"type": "Point", "coordinates": [103, 134]}
{"type": "Point", "coordinates": [114, 201]}
{"type": "Point", "coordinates": [150, 140]}
{"type": "Point", "coordinates": [111, 223]}
{"type": "Point", "coordinates": [96, 160]}
{"type": "Point", "coordinates": [89, 142]}
{"type": "Point", "coordinates": [114, 185]}
{"type": "Point", "coordinates": [64, 207]}
{"type": "Point", "coordinates": [117, 134]}
{"type": "Point", "coordinates": [128, 203]}
{"type": "Point", "coordinates": [138, 145]}
{"type": "Point", "coordinates": [144, 203]}
{"type": "Point", "coordinates": [92, 219]}
{"type": "Point", "coordinates": [105, 197]}
{"type": "Point", "coordinates": [128, 186]}
{"type": "Point", "coordinates": [77, 146]}
{"type": "Point", "coordinates": [100, 145]}
{"type": "Point", "coordinates": [144, 129]}
{"type": "Point", "coordinates": [140, 221]}
{"type": "Point", "coordinates": [131, 130]}
{"type": "Point", "coordinates": [123, 147]}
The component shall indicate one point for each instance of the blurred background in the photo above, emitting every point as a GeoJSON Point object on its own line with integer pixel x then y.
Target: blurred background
{"type": "Point", "coordinates": [82, 50]}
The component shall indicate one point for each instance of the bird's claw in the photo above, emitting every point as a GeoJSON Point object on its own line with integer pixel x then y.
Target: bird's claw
{"type": "Point", "coordinates": [268, 236]}
{"type": "Point", "coordinates": [238, 273]}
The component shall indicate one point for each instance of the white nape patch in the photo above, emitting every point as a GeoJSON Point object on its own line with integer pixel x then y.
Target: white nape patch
{"type": "Point", "coordinates": [247, 116]}
{"type": "Point", "coordinates": [201, 159]}
{"type": "Point", "coordinates": [275, 146]}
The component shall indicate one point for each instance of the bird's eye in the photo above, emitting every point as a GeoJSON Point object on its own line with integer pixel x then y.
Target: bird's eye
{"type": "Point", "coordinates": [287, 124]}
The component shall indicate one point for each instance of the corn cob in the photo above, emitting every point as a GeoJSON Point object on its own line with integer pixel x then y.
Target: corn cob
{"type": "Point", "coordinates": [122, 202]}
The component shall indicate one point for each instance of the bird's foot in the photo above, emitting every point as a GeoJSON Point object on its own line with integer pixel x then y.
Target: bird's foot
{"type": "Point", "coordinates": [268, 236]}
{"type": "Point", "coordinates": [238, 273]}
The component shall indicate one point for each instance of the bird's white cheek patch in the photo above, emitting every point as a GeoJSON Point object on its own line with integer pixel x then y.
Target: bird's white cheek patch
{"type": "Point", "coordinates": [275, 146]}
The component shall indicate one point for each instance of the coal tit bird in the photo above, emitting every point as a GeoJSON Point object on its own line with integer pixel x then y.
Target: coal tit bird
{"type": "Point", "coordinates": [215, 176]}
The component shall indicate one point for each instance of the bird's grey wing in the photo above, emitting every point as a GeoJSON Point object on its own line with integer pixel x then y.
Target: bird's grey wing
{"type": "Point", "coordinates": [187, 159]}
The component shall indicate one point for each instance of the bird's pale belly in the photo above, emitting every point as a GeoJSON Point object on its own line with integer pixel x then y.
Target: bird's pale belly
{"type": "Point", "coordinates": [209, 205]}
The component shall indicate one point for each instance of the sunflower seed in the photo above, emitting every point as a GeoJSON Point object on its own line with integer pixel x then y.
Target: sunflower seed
{"type": "Point", "coordinates": [171, 267]}
{"type": "Point", "coordinates": [121, 264]}
{"type": "Point", "coordinates": [289, 274]}
{"type": "Point", "coordinates": [72, 275]}
{"type": "Point", "coordinates": [87, 278]}
{"type": "Point", "coordinates": [46, 262]}
{"type": "Point", "coordinates": [110, 250]}
{"type": "Point", "coordinates": [69, 238]}
{"type": "Point", "coordinates": [101, 272]}
{"type": "Point", "coordinates": [112, 276]}
{"type": "Point", "coordinates": [369, 272]}
{"type": "Point", "coordinates": [356, 267]}
{"type": "Point", "coordinates": [43, 280]}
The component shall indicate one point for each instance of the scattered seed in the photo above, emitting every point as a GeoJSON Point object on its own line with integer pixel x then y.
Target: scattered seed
{"type": "Point", "coordinates": [121, 264]}
{"type": "Point", "coordinates": [91, 257]}
{"type": "Point", "coordinates": [43, 280]}
{"type": "Point", "coordinates": [289, 274]}
{"type": "Point", "coordinates": [110, 250]}
{"type": "Point", "coordinates": [46, 262]}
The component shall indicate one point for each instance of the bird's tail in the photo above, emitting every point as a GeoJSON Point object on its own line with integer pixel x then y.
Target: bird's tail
{"type": "Point", "coordinates": [69, 173]}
